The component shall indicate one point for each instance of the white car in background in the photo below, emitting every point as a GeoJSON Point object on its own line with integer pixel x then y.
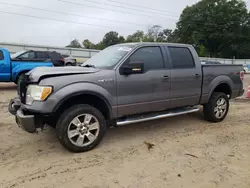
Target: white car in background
{"type": "Point", "coordinates": [69, 60]}
{"type": "Point", "coordinates": [246, 69]}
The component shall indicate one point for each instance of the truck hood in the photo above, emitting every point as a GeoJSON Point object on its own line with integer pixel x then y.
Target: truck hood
{"type": "Point", "coordinates": [39, 73]}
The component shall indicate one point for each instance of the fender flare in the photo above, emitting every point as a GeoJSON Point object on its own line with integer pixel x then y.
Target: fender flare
{"type": "Point", "coordinates": [73, 90]}
{"type": "Point", "coordinates": [215, 86]}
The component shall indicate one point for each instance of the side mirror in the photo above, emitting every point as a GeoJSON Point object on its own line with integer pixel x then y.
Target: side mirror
{"type": "Point", "coordinates": [133, 68]}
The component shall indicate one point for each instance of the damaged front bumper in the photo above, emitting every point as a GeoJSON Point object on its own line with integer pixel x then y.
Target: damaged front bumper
{"type": "Point", "coordinates": [26, 120]}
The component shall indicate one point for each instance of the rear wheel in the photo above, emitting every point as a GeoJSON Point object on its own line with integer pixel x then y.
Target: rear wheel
{"type": "Point", "coordinates": [81, 128]}
{"type": "Point", "coordinates": [217, 108]}
{"type": "Point", "coordinates": [69, 64]}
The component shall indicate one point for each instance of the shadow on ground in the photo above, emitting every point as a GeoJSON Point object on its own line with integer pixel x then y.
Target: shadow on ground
{"type": "Point", "coordinates": [7, 86]}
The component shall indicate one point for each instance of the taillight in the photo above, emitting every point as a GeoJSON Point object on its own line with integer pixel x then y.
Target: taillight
{"type": "Point", "coordinates": [62, 60]}
{"type": "Point", "coordinates": [242, 75]}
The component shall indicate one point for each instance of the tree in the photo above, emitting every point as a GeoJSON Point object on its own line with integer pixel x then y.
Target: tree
{"type": "Point", "coordinates": [138, 36]}
{"type": "Point", "coordinates": [74, 44]}
{"type": "Point", "coordinates": [112, 38]}
{"type": "Point", "coordinates": [100, 46]}
{"type": "Point", "coordinates": [88, 45]}
{"type": "Point", "coordinates": [164, 35]}
{"type": "Point", "coordinates": [221, 26]}
{"type": "Point", "coordinates": [153, 33]}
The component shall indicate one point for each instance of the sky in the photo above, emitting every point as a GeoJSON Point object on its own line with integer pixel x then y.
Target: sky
{"type": "Point", "coordinates": [57, 22]}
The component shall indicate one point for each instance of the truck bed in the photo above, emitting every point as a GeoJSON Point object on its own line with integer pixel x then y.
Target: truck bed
{"type": "Point", "coordinates": [214, 73]}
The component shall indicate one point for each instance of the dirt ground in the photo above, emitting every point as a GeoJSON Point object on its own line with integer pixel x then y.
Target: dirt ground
{"type": "Point", "coordinates": [187, 152]}
{"type": "Point", "coordinates": [246, 83]}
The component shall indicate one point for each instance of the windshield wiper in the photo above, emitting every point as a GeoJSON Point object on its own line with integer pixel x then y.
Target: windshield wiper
{"type": "Point", "coordinates": [88, 65]}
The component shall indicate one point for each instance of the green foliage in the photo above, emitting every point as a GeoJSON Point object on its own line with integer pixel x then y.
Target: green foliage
{"type": "Point", "coordinates": [221, 26]}
{"type": "Point", "coordinates": [164, 36]}
{"type": "Point", "coordinates": [87, 44]}
{"type": "Point", "coordinates": [112, 38]}
{"type": "Point", "coordinates": [154, 34]}
{"type": "Point", "coordinates": [74, 44]}
{"type": "Point", "coordinates": [217, 28]}
{"type": "Point", "coordinates": [202, 51]}
{"type": "Point", "coordinates": [138, 36]}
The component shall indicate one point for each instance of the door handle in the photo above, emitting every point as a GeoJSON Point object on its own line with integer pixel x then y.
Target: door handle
{"type": "Point", "coordinates": [165, 78]}
{"type": "Point", "coordinates": [197, 76]}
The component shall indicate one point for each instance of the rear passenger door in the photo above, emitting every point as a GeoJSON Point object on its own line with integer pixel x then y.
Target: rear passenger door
{"type": "Point", "coordinates": [186, 78]}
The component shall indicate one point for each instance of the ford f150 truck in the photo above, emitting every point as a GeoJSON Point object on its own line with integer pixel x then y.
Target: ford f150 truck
{"type": "Point", "coordinates": [123, 84]}
{"type": "Point", "coordinates": [12, 68]}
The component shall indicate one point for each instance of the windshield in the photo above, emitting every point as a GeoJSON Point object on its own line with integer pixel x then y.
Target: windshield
{"type": "Point", "coordinates": [108, 57]}
{"type": "Point", "coordinates": [15, 55]}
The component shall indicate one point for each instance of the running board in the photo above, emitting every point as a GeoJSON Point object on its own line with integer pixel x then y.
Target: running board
{"type": "Point", "coordinates": [149, 117]}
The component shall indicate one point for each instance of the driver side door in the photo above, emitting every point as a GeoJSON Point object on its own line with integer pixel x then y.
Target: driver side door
{"type": "Point", "coordinates": [135, 92]}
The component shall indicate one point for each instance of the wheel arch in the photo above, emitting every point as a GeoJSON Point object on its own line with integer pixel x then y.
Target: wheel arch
{"type": "Point", "coordinates": [223, 87]}
{"type": "Point", "coordinates": [85, 97]}
{"type": "Point", "coordinates": [19, 74]}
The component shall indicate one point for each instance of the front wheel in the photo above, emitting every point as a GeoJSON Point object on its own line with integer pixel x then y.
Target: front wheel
{"type": "Point", "coordinates": [217, 108]}
{"type": "Point", "coordinates": [81, 128]}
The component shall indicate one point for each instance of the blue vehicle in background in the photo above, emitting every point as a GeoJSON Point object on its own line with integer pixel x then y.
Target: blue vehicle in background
{"type": "Point", "coordinates": [13, 66]}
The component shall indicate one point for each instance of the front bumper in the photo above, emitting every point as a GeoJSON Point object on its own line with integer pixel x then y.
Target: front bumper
{"type": "Point", "coordinates": [28, 122]}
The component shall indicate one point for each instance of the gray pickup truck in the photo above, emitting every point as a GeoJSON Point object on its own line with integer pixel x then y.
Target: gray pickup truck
{"type": "Point", "coordinates": [123, 84]}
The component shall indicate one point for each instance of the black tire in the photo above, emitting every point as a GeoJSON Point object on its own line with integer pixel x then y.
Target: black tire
{"type": "Point", "coordinates": [209, 108]}
{"type": "Point", "coordinates": [64, 122]}
{"type": "Point", "coordinates": [69, 64]}
{"type": "Point", "coordinates": [18, 80]}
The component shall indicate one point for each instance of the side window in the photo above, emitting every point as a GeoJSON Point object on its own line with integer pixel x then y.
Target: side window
{"type": "Point", "coordinates": [28, 55]}
{"type": "Point", "coordinates": [42, 55]}
{"type": "Point", "coordinates": [1, 55]}
{"type": "Point", "coordinates": [181, 57]}
{"type": "Point", "coordinates": [150, 56]}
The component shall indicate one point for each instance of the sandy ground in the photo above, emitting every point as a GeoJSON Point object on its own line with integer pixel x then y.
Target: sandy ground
{"type": "Point", "coordinates": [221, 154]}
{"type": "Point", "coordinates": [246, 83]}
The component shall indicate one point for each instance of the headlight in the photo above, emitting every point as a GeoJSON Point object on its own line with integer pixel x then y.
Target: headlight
{"type": "Point", "coordinates": [37, 93]}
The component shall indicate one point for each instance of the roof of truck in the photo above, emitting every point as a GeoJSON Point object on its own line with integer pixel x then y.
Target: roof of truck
{"type": "Point", "coordinates": [153, 43]}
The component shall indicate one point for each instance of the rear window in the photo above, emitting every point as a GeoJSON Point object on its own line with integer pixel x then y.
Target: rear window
{"type": "Point", "coordinates": [1, 55]}
{"type": "Point", "coordinates": [181, 57]}
{"type": "Point", "coordinates": [55, 56]}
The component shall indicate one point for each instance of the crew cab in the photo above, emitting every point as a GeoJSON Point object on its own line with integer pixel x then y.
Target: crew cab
{"type": "Point", "coordinates": [11, 68]}
{"type": "Point", "coordinates": [123, 84]}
